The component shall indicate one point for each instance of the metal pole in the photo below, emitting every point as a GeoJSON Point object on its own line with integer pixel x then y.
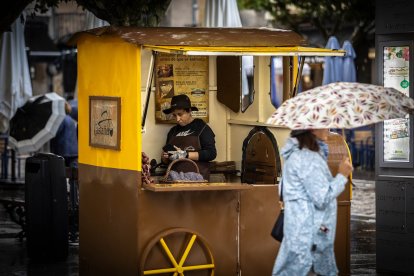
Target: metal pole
{"type": "Point", "coordinates": [298, 78]}
{"type": "Point", "coordinates": [286, 78]}
{"type": "Point", "coordinates": [149, 88]}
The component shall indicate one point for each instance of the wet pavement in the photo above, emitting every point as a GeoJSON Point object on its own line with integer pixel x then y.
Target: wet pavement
{"type": "Point", "coordinates": [363, 228]}
{"type": "Point", "coordinates": [13, 259]}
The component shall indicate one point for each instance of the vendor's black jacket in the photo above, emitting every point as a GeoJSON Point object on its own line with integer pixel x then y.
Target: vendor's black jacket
{"type": "Point", "coordinates": [208, 150]}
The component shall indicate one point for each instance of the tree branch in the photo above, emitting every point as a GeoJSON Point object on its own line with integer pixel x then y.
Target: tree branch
{"type": "Point", "coordinates": [9, 12]}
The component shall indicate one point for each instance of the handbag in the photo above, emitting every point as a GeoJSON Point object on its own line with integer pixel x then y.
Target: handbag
{"type": "Point", "coordinates": [277, 230]}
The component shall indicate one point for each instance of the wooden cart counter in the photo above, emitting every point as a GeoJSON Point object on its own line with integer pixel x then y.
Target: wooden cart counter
{"type": "Point", "coordinates": [208, 186]}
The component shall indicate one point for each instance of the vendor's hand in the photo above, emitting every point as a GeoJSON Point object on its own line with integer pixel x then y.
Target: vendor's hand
{"type": "Point", "coordinates": [345, 167]}
{"type": "Point", "coordinates": [179, 154]}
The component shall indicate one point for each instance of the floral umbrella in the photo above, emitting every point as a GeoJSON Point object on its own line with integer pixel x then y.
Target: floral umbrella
{"type": "Point", "coordinates": [342, 105]}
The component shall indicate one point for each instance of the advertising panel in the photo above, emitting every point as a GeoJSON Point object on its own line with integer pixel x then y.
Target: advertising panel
{"type": "Point", "coordinates": [179, 74]}
{"type": "Point", "coordinates": [396, 133]}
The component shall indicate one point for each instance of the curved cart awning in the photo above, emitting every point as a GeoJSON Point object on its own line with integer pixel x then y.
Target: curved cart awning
{"type": "Point", "coordinates": [214, 41]}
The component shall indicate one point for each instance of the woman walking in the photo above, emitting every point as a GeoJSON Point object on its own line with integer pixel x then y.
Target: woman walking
{"type": "Point", "coordinates": [309, 195]}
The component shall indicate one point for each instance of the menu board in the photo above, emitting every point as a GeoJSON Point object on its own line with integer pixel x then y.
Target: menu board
{"type": "Point", "coordinates": [179, 74]}
{"type": "Point", "coordinates": [396, 132]}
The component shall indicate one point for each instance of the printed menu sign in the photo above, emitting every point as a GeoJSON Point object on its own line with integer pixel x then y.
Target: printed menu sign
{"type": "Point", "coordinates": [396, 132]}
{"type": "Point", "coordinates": [179, 74]}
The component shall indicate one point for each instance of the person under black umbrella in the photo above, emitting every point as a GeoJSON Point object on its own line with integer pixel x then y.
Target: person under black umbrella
{"type": "Point", "coordinates": [65, 143]}
{"type": "Point", "coordinates": [36, 122]}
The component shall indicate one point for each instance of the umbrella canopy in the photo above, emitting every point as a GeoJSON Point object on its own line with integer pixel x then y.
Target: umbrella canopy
{"type": "Point", "coordinates": [332, 71]}
{"type": "Point", "coordinates": [342, 105]}
{"type": "Point", "coordinates": [36, 122]}
{"type": "Point", "coordinates": [15, 83]}
{"type": "Point", "coordinates": [348, 66]}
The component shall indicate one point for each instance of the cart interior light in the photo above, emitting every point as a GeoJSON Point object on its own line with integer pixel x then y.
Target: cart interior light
{"type": "Point", "coordinates": [246, 51]}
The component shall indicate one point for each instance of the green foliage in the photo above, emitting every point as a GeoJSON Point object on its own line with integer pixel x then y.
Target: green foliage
{"type": "Point", "coordinates": [127, 12]}
{"type": "Point", "coordinates": [328, 16]}
{"type": "Point", "coordinates": [252, 4]}
{"type": "Point", "coordinates": [43, 6]}
{"type": "Point", "coordinates": [116, 12]}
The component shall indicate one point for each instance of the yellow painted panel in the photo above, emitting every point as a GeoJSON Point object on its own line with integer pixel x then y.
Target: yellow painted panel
{"type": "Point", "coordinates": [108, 66]}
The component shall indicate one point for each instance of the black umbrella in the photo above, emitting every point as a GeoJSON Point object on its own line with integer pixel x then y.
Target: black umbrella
{"type": "Point", "coordinates": [36, 122]}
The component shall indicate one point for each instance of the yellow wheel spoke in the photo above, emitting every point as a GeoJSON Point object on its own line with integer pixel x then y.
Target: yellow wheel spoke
{"type": "Point", "coordinates": [187, 250]}
{"type": "Point", "coordinates": [198, 267]}
{"type": "Point", "coordinates": [168, 251]}
{"type": "Point", "coordinates": [176, 266]}
{"type": "Point", "coordinates": [160, 271]}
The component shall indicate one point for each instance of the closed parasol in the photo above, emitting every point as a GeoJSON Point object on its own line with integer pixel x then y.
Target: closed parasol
{"type": "Point", "coordinates": [36, 122]}
{"type": "Point", "coordinates": [332, 71]}
{"type": "Point", "coordinates": [348, 66]}
{"type": "Point", "coordinates": [15, 83]}
{"type": "Point", "coordinates": [342, 105]}
{"type": "Point", "coordinates": [222, 13]}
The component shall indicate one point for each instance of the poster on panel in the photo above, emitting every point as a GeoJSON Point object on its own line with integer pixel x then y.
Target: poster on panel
{"type": "Point", "coordinates": [179, 74]}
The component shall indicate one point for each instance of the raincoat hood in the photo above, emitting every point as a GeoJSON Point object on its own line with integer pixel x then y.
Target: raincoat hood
{"type": "Point", "coordinates": [292, 145]}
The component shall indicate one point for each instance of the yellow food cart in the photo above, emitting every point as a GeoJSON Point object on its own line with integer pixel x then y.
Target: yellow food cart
{"type": "Point", "coordinates": [128, 227]}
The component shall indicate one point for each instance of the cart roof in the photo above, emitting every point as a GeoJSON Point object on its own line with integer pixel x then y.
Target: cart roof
{"type": "Point", "coordinates": [213, 41]}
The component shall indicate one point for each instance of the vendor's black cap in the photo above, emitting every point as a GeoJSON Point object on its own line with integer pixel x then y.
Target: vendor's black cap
{"type": "Point", "coordinates": [297, 132]}
{"type": "Point", "coordinates": [180, 102]}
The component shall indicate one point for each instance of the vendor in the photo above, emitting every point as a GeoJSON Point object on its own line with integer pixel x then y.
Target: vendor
{"type": "Point", "coordinates": [191, 138]}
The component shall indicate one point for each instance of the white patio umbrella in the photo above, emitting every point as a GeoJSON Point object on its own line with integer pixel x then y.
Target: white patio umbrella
{"type": "Point", "coordinates": [15, 83]}
{"type": "Point", "coordinates": [93, 22]}
{"type": "Point", "coordinates": [222, 13]}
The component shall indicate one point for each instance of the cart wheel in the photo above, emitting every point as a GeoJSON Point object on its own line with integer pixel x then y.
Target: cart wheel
{"type": "Point", "coordinates": [175, 252]}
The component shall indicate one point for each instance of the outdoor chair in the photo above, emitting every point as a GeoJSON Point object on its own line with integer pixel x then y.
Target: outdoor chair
{"type": "Point", "coordinates": [9, 156]}
{"type": "Point", "coordinates": [369, 153]}
{"type": "Point", "coordinates": [4, 155]}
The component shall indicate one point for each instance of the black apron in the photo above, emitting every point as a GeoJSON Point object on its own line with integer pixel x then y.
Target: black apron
{"type": "Point", "coordinates": [190, 143]}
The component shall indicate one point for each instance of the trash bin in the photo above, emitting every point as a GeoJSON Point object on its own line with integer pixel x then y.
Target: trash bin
{"type": "Point", "coordinates": [46, 207]}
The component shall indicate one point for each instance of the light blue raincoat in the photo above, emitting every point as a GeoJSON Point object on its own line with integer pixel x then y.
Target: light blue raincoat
{"type": "Point", "coordinates": [309, 195]}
